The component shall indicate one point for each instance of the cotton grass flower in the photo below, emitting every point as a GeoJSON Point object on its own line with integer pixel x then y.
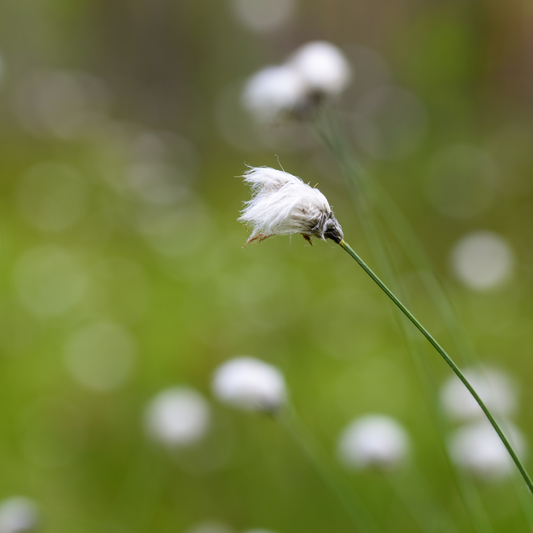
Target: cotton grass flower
{"type": "Point", "coordinates": [323, 67]}
{"type": "Point", "coordinates": [496, 389]}
{"type": "Point", "coordinates": [478, 449]}
{"type": "Point", "coordinates": [18, 515]}
{"type": "Point", "coordinates": [273, 93]}
{"type": "Point", "coordinates": [283, 204]}
{"type": "Point", "coordinates": [249, 384]}
{"type": "Point", "coordinates": [482, 260]}
{"type": "Point", "coordinates": [376, 441]}
{"type": "Point", "coordinates": [177, 417]}
{"type": "Point", "coordinates": [314, 72]}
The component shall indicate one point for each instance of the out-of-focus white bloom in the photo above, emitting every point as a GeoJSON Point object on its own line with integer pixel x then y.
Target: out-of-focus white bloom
{"type": "Point", "coordinates": [317, 70]}
{"type": "Point", "coordinates": [482, 260]}
{"type": "Point", "coordinates": [373, 441]}
{"type": "Point", "coordinates": [178, 416]}
{"type": "Point", "coordinates": [478, 448]}
{"type": "Point", "coordinates": [18, 514]}
{"type": "Point", "coordinates": [323, 67]}
{"type": "Point", "coordinates": [283, 204]}
{"type": "Point", "coordinates": [274, 92]}
{"type": "Point", "coordinates": [495, 388]}
{"type": "Point", "coordinates": [249, 384]}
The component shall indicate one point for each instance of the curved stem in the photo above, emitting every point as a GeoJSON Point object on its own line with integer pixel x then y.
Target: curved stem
{"type": "Point", "coordinates": [445, 356]}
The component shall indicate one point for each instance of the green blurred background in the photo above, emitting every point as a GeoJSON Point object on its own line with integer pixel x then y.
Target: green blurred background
{"type": "Point", "coordinates": [121, 136]}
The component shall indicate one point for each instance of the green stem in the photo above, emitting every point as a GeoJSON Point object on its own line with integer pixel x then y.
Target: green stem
{"type": "Point", "coordinates": [310, 449]}
{"type": "Point", "coordinates": [445, 356]}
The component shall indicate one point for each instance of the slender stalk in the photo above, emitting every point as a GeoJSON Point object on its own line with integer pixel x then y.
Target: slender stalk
{"type": "Point", "coordinates": [332, 135]}
{"type": "Point", "coordinates": [445, 356]}
{"type": "Point", "coordinates": [319, 461]}
{"type": "Point", "coordinates": [428, 516]}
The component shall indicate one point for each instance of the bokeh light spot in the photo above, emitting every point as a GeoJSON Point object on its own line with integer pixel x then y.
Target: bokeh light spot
{"type": "Point", "coordinates": [101, 356]}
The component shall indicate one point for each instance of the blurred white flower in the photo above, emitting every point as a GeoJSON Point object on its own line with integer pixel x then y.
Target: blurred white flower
{"type": "Point", "coordinates": [18, 514]}
{"type": "Point", "coordinates": [274, 92]}
{"type": "Point", "coordinates": [495, 388]}
{"type": "Point", "coordinates": [249, 384]}
{"type": "Point", "coordinates": [478, 448]}
{"type": "Point", "coordinates": [373, 441]}
{"type": "Point", "coordinates": [283, 204]}
{"type": "Point", "coordinates": [323, 67]}
{"type": "Point", "coordinates": [317, 70]}
{"type": "Point", "coordinates": [482, 260]}
{"type": "Point", "coordinates": [178, 416]}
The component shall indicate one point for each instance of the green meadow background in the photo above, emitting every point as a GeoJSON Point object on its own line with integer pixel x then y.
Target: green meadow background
{"type": "Point", "coordinates": [121, 143]}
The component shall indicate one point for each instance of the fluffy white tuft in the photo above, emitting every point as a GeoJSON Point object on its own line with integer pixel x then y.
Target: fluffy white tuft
{"type": "Point", "coordinates": [250, 384]}
{"type": "Point", "coordinates": [496, 389]}
{"type": "Point", "coordinates": [373, 441]}
{"type": "Point", "coordinates": [178, 416]}
{"type": "Point", "coordinates": [477, 448]}
{"type": "Point", "coordinates": [273, 92]}
{"type": "Point", "coordinates": [316, 71]}
{"type": "Point", "coordinates": [323, 67]}
{"type": "Point", "coordinates": [18, 514]}
{"type": "Point", "coordinates": [283, 204]}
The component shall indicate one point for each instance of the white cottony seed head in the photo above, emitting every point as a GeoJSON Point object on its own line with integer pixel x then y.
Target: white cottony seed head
{"type": "Point", "coordinates": [178, 416]}
{"type": "Point", "coordinates": [274, 92]}
{"type": "Point", "coordinates": [316, 71]}
{"type": "Point", "coordinates": [495, 388]}
{"type": "Point", "coordinates": [373, 441]}
{"type": "Point", "coordinates": [283, 204]}
{"type": "Point", "coordinates": [250, 384]}
{"type": "Point", "coordinates": [18, 515]}
{"type": "Point", "coordinates": [323, 67]}
{"type": "Point", "coordinates": [477, 448]}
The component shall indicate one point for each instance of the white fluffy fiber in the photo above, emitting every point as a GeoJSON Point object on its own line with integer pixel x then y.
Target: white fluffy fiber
{"type": "Point", "coordinates": [376, 441]}
{"type": "Point", "coordinates": [273, 91]}
{"type": "Point", "coordinates": [496, 389]}
{"type": "Point", "coordinates": [323, 67]}
{"type": "Point", "coordinates": [249, 384]}
{"type": "Point", "coordinates": [315, 71]}
{"type": "Point", "coordinates": [18, 514]}
{"type": "Point", "coordinates": [476, 447]}
{"type": "Point", "coordinates": [177, 416]}
{"type": "Point", "coordinates": [283, 204]}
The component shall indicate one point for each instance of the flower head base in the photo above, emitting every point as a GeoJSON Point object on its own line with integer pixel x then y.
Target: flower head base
{"type": "Point", "coordinates": [283, 204]}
